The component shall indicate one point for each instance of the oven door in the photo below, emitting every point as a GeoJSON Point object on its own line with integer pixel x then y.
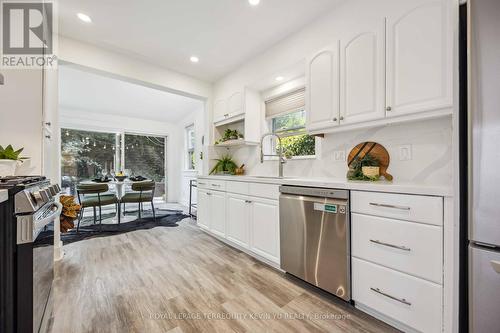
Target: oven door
{"type": "Point", "coordinates": [36, 272]}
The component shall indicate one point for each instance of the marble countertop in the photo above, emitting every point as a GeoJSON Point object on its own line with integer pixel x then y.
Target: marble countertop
{"type": "Point", "coordinates": [379, 186]}
{"type": "Point", "coordinates": [4, 195]}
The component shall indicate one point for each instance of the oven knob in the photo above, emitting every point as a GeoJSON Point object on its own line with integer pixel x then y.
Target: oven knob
{"type": "Point", "coordinates": [46, 195]}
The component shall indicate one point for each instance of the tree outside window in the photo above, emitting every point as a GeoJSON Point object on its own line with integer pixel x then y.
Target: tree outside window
{"type": "Point", "coordinates": [291, 127]}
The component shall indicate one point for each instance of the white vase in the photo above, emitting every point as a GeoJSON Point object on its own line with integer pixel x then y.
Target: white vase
{"type": "Point", "coordinates": [7, 168]}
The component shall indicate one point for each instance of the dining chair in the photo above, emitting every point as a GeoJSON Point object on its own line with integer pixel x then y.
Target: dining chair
{"type": "Point", "coordinates": [142, 192]}
{"type": "Point", "coordinates": [92, 195]}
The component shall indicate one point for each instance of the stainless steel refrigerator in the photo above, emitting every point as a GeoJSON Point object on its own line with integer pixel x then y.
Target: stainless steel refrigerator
{"type": "Point", "coordinates": [484, 166]}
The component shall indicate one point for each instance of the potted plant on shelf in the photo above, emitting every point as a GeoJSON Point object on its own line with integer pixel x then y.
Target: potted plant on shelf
{"type": "Point", "coordinates": [9, 160]}
{"type": "Point", "coordinates": [225, 165]}
{"type": "Point", "coordinates": [229, 135]}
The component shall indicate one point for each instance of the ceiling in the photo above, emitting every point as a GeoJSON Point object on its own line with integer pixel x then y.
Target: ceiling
{"type": "Point", "coordinates": [80, 90]}
{"type": "Point", "coordinates": [222, 33]}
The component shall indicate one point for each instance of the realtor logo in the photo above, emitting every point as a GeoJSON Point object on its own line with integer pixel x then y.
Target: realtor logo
{"type": "Point", "coordinates": [27, 28]}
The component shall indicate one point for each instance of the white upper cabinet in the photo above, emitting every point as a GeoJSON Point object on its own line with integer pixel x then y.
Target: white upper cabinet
{"type": "Point", "coordinates": [362, 74]}
{"type": "Point", "coordinates": [322, 96]}
{"type": "Point", "coordinates": [235, 104]}
{"type": "Point", "coordinates": [220, 110]}
{"type": "Point", "coordinates": [419, 59]}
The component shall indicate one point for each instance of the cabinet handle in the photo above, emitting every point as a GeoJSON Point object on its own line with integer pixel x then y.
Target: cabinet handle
{"type": "Point", "coordinates": [48, 123]}
{"type": "Point", "coordinates": [400, 247]}
{"type": "Point", "coordinates": [341, 117]}
{"type": "Point", "coordinates": [390, 206]}
{"type": "Point", "coordinates": [215, 185]}
{"type": "Point", "coordinates": [335, 119]}
{"type": "Point", "coordinates": [208, 193]}
{"type": "Point", "coordinates": [48, 136]}
{"type": "Point", "coordinates": [202, 183]}
{"type": "Point", "coordinates": [388, 108]}
{"type": "Point", "coordinates": [401, 300]}
{"type": "Point", "coordinates": [248, 201]}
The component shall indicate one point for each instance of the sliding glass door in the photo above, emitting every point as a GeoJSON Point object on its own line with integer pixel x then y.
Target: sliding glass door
{"type": "Point", "coordinates": [144, 155]}
{"type": "Point", "coordinates": [86, 155]}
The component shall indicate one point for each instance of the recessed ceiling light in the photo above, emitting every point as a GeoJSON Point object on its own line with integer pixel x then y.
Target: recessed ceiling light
{"type": "Point", "coordinates": [194, 59]}
{"type": "Point", "coordinates": [279, 78]}
{"type": "Point", "coordinates": [254, 2]}
{"type": "Point", "coordinates": [85, 18]}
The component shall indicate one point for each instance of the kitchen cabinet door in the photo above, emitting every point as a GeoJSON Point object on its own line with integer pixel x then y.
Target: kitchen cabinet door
{"type": "Point", "coordinates": [220, 110]}
{"type": "Point", "coordinates": [238, 211]}
{"type": "Point", "coordinates": [203, 209]}
{"type": "Point", "coordinates": [235, 104]}
{"type": "Point", "coordinates": [265, 229]}
{"type": "Point", "coordinates": [419, 59]}
{"type": "Point", "coordinates": [218, 213]}
{"type": "Point", "coordinates": [322, 93]}
{"type": "Point", "coordinates": [362, 74]}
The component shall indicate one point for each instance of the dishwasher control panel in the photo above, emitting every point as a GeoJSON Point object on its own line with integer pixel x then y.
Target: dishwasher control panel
{"type": "Point", "coordinates": [315, 192]}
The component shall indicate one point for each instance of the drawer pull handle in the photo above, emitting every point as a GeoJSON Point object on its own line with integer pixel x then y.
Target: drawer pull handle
{"type": "Point", "coordinates": [390, 206]}
{"type": "Point", "coordinates": [248, 201]}
{"type": "Point", "coordinates": [401, 300]}
{"type": "Point", "coordinates": [208, 193]}
{"type": "Point", "coordinates": [404, 248]}
{"type": "Point", "coordinates": [215, 185]}
{"type": "Point", "coordinates": [202, 183]}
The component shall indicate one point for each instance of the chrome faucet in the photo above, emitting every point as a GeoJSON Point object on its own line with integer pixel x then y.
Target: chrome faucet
{"type": "Point", "coordinates": [279, 154]}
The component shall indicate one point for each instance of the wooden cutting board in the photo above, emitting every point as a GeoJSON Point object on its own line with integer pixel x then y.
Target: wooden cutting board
{"type": "Point", "coordinates": [376, 150]}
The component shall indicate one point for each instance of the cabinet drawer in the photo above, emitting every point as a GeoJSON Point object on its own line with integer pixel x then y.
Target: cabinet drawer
{"type": "Point", "coordinates": [209, 184]}
{"type": "Point", "coordinates": [413, 248]}
{"type": "Point", "coordinates": [412, 301]}
{"type": "Point", "coordinates": [237, 187]}
{"type": "Point", "coordinates": [416, 208]}
{"type": "Point", "coordinates": [269, 191]}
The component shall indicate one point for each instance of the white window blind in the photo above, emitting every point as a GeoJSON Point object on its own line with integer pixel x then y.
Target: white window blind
{"type": "Point", "coordinates": [291, 102]}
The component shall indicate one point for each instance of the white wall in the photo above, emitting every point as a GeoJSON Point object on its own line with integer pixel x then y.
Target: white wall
{"type": "Point", "coordinates": [80, 119]}
{"type": "Point", "coordinates": [21, 114]}
{"type": "Point", "coordinates": [430, 141]}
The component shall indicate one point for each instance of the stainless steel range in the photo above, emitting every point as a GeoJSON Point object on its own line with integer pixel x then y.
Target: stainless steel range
{"type": "Point", "coordinates": [27, 252]}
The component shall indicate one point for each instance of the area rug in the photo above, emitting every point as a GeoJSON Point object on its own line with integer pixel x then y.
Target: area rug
{"type": "Point", "coordinates": [164, 218]}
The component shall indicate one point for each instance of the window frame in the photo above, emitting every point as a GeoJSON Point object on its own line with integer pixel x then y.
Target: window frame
{"type": "Point", "coordinates": [272, 144]}
{"type": "Point", "coordinates": [190, 139]}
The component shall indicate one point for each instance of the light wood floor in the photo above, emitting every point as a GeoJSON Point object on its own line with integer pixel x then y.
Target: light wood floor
{"type": "Point", "coordinates": [182, 280]}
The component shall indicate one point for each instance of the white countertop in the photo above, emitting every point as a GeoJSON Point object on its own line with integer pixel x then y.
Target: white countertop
{"type": "Point", "coordinates": [4, 195]}
{"type": "Point", "coordinates": [378, 186]}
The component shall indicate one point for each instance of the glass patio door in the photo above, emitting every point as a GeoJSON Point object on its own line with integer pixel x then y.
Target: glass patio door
{"type": "Point", "coordinates": [86, 155]}
{"type": "Point", "coordinates": [145, 155]}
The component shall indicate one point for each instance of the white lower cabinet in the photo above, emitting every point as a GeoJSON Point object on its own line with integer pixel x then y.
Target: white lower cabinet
{"type": "Point", "coordinates": [218, 213]}
{"type": "Point", "coordinates": [238, 219]}
{"type": "Point", "coordinates": [265, 229]}
{"type": "Point", "coordinates": [203, 211]}
{"type": "Point", "coordinates": [247, 221]}
{"type": "Point", "coordinates": [411, 301]}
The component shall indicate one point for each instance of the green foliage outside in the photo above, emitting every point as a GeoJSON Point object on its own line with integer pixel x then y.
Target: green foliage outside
{"type": "Point", "coordinates": [291, 129]}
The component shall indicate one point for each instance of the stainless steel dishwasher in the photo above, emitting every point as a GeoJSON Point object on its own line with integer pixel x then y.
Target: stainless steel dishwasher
{"type": "Point", "coordinates": [315, 237]}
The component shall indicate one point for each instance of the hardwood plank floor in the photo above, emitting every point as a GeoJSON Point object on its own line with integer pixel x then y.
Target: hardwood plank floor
{"type": "Point", "coordinates": [182, 280]}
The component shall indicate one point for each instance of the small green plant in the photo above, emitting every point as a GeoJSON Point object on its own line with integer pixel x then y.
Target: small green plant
{"type": "Point", "coordinates": [230, 134]}
{"type": "Point", "coordinates": [225, 164]}
{"type": "Point", "coordinates": [356, 168]}
{"type": "Point", "coordinates": [8, 153]}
